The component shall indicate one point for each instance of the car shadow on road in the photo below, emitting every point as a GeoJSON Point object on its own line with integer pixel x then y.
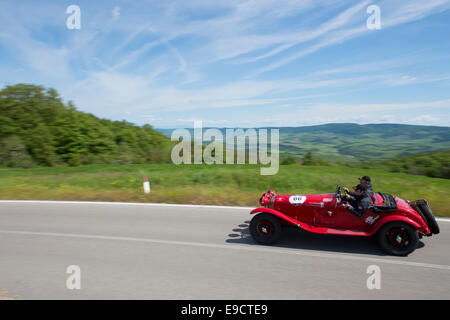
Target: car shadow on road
{"type": "Point", "coordinates": [294, 238]}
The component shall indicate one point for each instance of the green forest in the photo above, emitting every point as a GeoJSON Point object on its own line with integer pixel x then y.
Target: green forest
{"type": "Point", "coordinates": [38, 129]}
{"type": "Point", "coordinates": [434, 164]}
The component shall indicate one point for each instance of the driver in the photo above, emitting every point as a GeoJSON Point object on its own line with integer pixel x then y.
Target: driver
{"type": "Point", "coordinates": [361, 203]}
{"type": "Point", "coordinates": [365, 180]}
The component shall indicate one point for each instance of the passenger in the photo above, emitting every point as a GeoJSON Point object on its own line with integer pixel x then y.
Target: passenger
{"type": "Point", "coordinates": [361, 203]}
{"type": "Point", "coordinates": [365, 181]}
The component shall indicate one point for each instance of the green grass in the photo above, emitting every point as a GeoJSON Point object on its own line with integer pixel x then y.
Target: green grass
{"type": "Point", "coordinates": [237, 185]}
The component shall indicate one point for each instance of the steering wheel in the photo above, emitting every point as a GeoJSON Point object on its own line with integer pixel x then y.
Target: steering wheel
{"type": "Point", "coordinates": [338, 195]}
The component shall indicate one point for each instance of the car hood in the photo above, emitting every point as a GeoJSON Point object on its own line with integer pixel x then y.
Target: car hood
{"type": "Point", "coordinates": [270, 198]}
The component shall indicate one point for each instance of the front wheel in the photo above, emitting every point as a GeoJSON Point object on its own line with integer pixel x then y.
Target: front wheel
{"type": "Point", "coordinates": [265, 228]}
{"type": "Point", "coordinates": [398, 238]}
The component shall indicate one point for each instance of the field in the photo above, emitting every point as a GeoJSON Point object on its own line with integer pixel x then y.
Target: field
{"type": "Point", "coordinates": [237, 185]}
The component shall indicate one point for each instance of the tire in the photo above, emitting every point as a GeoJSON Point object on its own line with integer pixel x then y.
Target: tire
{"type": "Point", "coordinates": [429, 217]}
{"type": "Point", "coordinates": [265, 228]}
{"type": "Point", "coordinates": [417, 209]}
{"type": "Point", "coordinates": [398, 238]}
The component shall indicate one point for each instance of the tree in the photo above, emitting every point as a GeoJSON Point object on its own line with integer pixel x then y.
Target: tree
{"type": "Point", "coordinates": [308, 159]}
{"type": "Point", "coordinates": [288, 160]}
{"type": "Point", "coordinates": [13, 153]}
{"type": "Point", "coordinates": [8, 127]}
{"type": "Point", "coordinates": [54, 133]}
{"type": "Point", "coordinates": [40, 144]}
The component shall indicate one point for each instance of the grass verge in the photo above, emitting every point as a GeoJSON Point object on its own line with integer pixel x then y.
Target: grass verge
{"type": "Point", "coordinates": [237, 185]}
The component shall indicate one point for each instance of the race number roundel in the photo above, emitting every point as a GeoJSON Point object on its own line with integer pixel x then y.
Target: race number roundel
{"type": "Point", "coordinates": [297, 200]}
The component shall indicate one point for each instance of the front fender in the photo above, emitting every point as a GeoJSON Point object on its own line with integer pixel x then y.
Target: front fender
{"type": "Point", "coordinates": [383, 221]}
{"type": "Point", "coordinates": [277, 214]}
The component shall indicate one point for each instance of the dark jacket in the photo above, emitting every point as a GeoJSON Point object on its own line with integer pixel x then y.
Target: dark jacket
{"type": "Point", "coordinates": [360, 204]}
{"type": "Point", "coordinates": [369, 191]}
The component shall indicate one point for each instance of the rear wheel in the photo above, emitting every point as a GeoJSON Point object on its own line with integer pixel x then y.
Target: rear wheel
{"type": "Point", "coordinates": [265, 228]}
{"type": "Point", "coordinates": [398, 238]}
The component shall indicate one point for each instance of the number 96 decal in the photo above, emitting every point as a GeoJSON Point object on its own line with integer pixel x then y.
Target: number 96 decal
{"type": "Point", "coordinates": [297, 200]}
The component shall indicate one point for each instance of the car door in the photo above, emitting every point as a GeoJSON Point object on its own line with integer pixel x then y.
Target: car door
{"type": "Point", "coordinates": [326, 214]}
{"type": "Point", "coordinates": [349, 221]}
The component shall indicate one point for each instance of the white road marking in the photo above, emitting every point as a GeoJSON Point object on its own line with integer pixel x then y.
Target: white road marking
{"type": "Point", "coordinates": [252, 248]}
{"type": "Point", "coordinates": [143, 204]}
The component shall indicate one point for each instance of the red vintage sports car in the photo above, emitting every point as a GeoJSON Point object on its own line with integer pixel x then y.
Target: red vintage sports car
{"type": "Point", "coordinates": [398, 224]}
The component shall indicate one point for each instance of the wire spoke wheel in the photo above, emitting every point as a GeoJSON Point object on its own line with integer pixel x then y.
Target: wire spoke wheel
{"type": "Point", "coordinates": [398, 238]}
{"type": "Point", "coordinates": [265, 228]}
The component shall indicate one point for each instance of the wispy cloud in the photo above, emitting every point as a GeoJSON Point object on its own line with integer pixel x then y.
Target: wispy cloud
{"type": "Point", "coordinates": [116, 12]}
{"type": "Point", "coordinates": [198, 56]}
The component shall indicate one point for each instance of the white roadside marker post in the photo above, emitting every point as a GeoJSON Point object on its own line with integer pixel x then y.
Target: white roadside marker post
{"type": "Point", "coordinates": [146, 185]}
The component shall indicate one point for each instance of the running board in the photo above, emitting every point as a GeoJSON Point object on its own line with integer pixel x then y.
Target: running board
{"type": "Point", "coordinates": [326, 230]}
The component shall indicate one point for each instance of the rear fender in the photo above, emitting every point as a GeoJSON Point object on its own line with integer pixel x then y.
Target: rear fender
{"type": "Point", "coordinates": [422, 229]}
{"type": "Point", "coordinates": [278, 214]}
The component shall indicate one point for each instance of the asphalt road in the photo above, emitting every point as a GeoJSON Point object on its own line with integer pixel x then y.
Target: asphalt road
{"type": "Point", "coordinates": [144, 251]}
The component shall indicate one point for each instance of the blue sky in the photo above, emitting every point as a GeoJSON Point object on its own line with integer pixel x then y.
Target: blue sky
{"type": "Point", "coordinates": [236, 63]}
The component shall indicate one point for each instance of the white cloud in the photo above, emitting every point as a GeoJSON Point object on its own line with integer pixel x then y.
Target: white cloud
{"type": "Point", "coordinates": [428, 119]}
{"type": "Point", "coordinates": [150, 117]}
{"type": "Point", "coordinates": [48, 61]}
{"type": "Point", "coordinates": [404, 12]}
{"type": "Point", "coordinates": [362, 113]}
{"type": "Point", "coordinates": [113, 91]}
{"type": "Point", "coordinates": [116, 12]}
{"type": "Point", "coordinates": [399, 12]}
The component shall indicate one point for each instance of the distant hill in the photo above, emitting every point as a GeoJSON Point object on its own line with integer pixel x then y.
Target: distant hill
{"type": "Point", "coordinates": [435, 164]}
{"type": "Point", "coordinates": [349, 142]}
{"type": "Point", "coordinates": [36, 128]}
